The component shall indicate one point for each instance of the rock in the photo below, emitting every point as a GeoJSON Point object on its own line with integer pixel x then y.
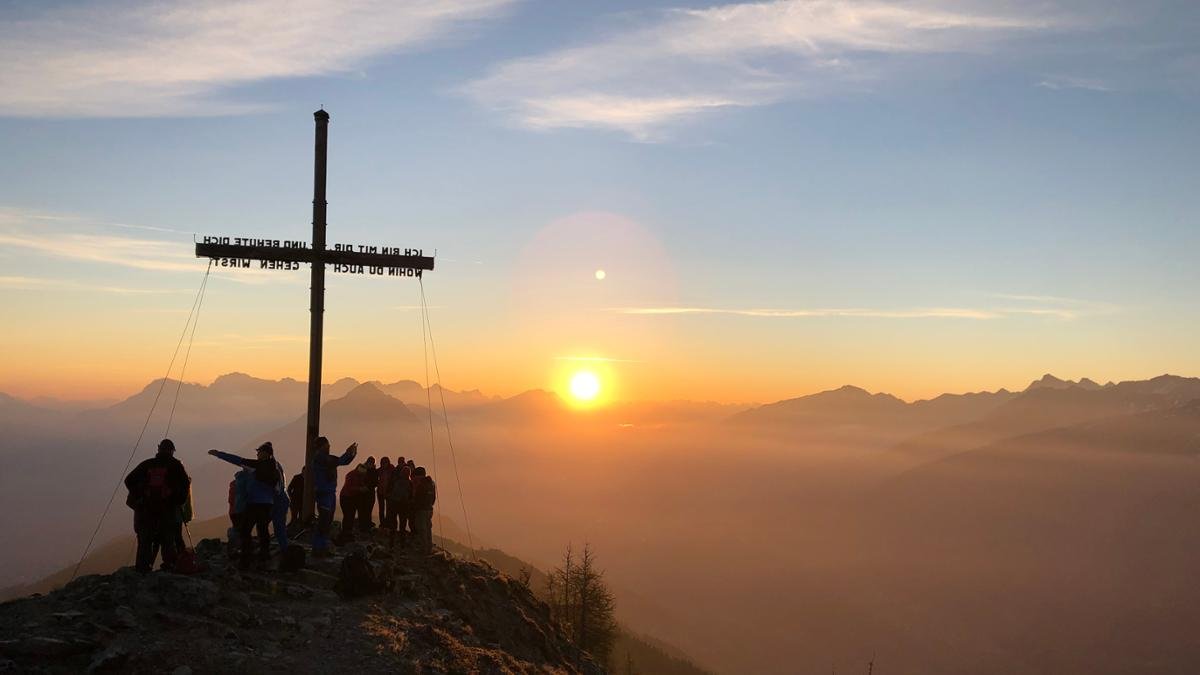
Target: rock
{"type": "Point", "coordinates": [311, 577]}
{"type": "Point", "coordinates": [185, 670]}
{"type": "Point", "coordinates": [315, 624]}
{"type": "Point", "coordinates": [108, 660]}
{"type": "Point", "coordinates": [8, 666]}
{"type": "Point", "coordinates": [126, 618]}
{"type": "Point", "coordinates": [210, 548]}
{"type": "Point", "coordinates": [70, 615]}
{"type": "Point", "coordinates": [190, 593]}
{"type": "Point", "coordinates": [230, 615]}
{"type": "Point", "coordinates": [236, 599]}
{"type": "Point", "coordinates": [145, 598]}
{"type": "Point", "coordinates": [298, 591]}
{"type": "Point", "coordinates": [45, 646]}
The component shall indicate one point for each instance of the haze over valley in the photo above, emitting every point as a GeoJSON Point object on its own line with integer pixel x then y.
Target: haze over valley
{"type": "Point", "coordinates": [963, 531]}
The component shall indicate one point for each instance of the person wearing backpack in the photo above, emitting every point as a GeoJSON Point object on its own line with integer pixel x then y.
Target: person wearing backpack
{"type": "Point", "coordinates": [260, 498]}
{"type": "Point", "coordinates": [399, 499]}
{"type": "Point", "coordinates": [324, 474]}
{"type": "Point", "coordinates": [157, 489]}
{"type": "Point", "coordinates": [424, 497]}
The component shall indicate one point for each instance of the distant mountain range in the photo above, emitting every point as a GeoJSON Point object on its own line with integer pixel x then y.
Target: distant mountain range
{"type": "Point", "coordinates": [904, 520]}
{"type": "Point", "coordinates": [852, 412]}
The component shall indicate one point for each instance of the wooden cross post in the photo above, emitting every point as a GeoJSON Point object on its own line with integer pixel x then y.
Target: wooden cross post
{"type": "Point", "coordinates": [237, 252]}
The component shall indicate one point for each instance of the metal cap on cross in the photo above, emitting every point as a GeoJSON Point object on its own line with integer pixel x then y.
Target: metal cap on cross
{"type": "Point", "coordinates": [237, 252]}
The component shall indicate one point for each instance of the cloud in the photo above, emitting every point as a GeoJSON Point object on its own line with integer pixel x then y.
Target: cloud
{"type": "Point", "coordinates": [22, 283]}
{"type": "Point", "coordinates": [594, 359]}
{"type": "Point", "coordinates": [673, 65]}
{"type": "Point", "coordinates": [1060, 82]}
{"type": "Point", "coordinates": [124, 58]}
{"type": "Point", "coordinates": [929, 313]}
{"type": "Point", "coordinates": [72, 237]}
{"type": "Point", "coordinates": [1028, 305]}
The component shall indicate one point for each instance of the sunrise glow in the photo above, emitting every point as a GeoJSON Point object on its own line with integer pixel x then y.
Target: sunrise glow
{"type": "Point", "coordinates": [585, 386]}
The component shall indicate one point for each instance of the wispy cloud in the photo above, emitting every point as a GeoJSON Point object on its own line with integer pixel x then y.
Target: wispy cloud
{"type": "Point", "coordinates": [1054, 305]}
{"type": "Point", "coordinates": [595, 359]}
{"type": "Point", "coordinates": [1028, 305]}
{"type": "Point", "coordinates": [1059, 82]}
{"type": "Point", "coordinates": [137, 58]}
{"type": "Point", "coordinates": [926, 313]}
{"type": "Point", "coordinates": [71, 237]}
{"type": "Point", "coordinates": [22, 283]}
{"type": "Point", "coordinates": [669, 66]}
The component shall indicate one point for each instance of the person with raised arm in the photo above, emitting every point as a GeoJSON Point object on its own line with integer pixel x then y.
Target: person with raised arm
{"type": "Point", "coordinates": [324, 472]}
{"type": "Point", "coordinates": [260, 500]}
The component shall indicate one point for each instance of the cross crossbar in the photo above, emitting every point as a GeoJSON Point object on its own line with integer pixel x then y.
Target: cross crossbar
{"type": "Point", "coordinates": [308, 255]}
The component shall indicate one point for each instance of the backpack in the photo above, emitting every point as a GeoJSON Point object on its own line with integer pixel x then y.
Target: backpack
{"type": "Point", "coordinates": [156, 489]}
{"type": "Point", "coordinates": [357, 577]}
{"type": "Point", "coordinates": [293, 558]}
{"type": "Point", "coordinates": [186, 562]}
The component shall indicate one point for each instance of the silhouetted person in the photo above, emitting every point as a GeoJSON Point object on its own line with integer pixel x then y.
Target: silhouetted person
{"type": "Point", "coordinates": [238, 489]}
{"type": "Point", "coordinates": [366, 514]}
{"type": "Point", "coordinates": [261, 491]}
{"type": "Point", "coordinates": [324, 474]}
{"type": "Point", "coordinates": [385, 475]}
{"type": "Point", "coordinates": [279, 509]}
{"type": "Point", "coordinates": [295, 491]}
{"type": "Point", "coordinates": [424, 497]}
{"type": "Point", "coordinates": [352, 501]}
{"type": "Point", "coordinates": [400, 500]}
{"type": "Point", "coordinates": [157, 489]}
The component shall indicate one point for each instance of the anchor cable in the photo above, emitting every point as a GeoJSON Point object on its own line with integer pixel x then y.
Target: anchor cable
{"type": "Point", "coordinates": [429, 407]}
{"type": "Point", "coordinates": [445, 416]}
{"type": "Point", "coordinates": [133, 452]}
{"type": "Point", "coordinates": [188, 354]}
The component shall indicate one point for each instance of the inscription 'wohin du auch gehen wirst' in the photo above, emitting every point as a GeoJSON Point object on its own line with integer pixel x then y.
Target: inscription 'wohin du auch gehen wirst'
{"type": "Point", "coordinates": [270, 264]}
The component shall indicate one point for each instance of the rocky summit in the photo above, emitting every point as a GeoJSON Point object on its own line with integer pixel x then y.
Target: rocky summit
{"type": "Point", "coordinates": [412, 614]}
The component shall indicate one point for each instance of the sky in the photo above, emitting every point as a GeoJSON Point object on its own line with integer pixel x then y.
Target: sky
{"type": "Point", "coordinates": [913, 197]}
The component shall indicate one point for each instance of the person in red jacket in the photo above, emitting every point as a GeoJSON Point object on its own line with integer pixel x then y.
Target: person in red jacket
{"type": "Point", "coordinates": [351, 499]}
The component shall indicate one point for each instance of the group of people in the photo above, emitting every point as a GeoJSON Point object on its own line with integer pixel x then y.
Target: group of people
{"type": "Point", "coordinates": [405, 494]}
{"type": "Point", "coordinates": [160, 496]}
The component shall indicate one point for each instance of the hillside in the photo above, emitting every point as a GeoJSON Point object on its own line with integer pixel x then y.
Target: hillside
{"type": "Point", "coordinates": [107, 567]}
{"type": "Point", "coordinates": [431, 615]}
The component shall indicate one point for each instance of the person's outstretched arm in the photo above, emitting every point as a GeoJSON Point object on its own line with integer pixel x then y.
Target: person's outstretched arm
{"type": "Point", "coordinates": [233, 459]}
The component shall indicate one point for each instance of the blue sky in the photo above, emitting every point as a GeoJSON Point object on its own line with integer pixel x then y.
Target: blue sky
{"type": "Point", "coordinates": [914, 196]}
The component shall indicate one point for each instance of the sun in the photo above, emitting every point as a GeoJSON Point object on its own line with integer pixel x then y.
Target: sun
{"type": "Point", "coordinates": [585, 386]}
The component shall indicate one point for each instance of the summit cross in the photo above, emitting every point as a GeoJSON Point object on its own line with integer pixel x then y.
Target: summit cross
{"type": "Point", "coordinates": [276, 254]}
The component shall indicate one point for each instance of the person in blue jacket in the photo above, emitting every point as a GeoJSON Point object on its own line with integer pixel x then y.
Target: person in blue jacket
{"type": "Point", "coordinates": [324, 472]}
{"type": "Point", "coordinates": [260, 499]}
